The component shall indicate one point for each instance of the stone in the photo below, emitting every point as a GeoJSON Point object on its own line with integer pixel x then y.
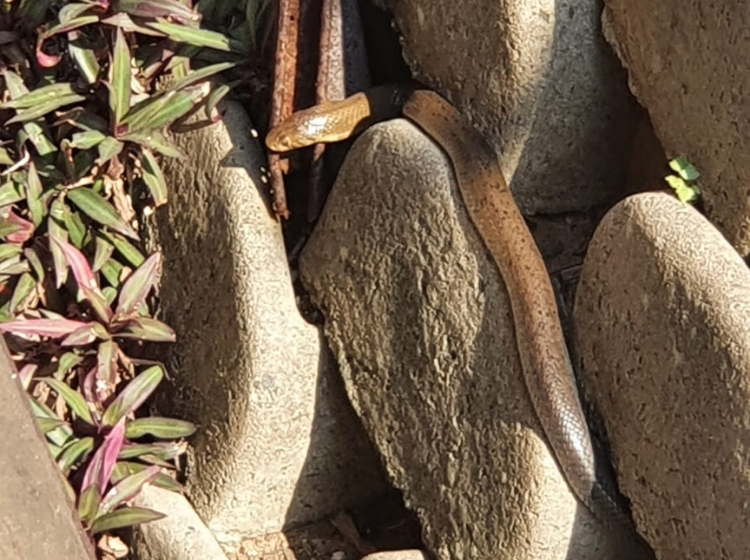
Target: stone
{"type": "Point", "coordinates": [277, 443]}
{"type": "Point", "coordinates": [689, 65]}
{"type": "Point", "coordinates": [181, 535]}
{"type": "Point", "coordinates": [419, 321]}
{"type": "Point", "coordinates": [39, 521]}
{"type": "Point", "coordinates": [542, 85]}
{"type": "Point", "coordinates": [397, 555]}
{"type": "Point", "coordinates": [663, 324]}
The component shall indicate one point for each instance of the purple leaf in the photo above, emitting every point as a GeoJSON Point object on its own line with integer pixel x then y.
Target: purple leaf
{"type": "Point", "coordinates": [86, 335]}
{"type": "Point", "coordinates": [53, 328]}
{"type": "Point", "coordinates": [85, 278]}
{"type": "Point", "coordinates": [103, 461]}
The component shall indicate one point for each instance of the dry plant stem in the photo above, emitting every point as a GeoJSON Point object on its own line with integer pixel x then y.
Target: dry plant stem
{"type": "Point", "coordinates": [282, 99]}
{"type": "Point", "coordinates": [330, 87]}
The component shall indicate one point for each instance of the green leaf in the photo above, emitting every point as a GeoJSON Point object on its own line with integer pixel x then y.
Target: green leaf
{"type": "Point", "coordinates": [10, 193]}
{"type": "Point", "coordinates": [49, 424]}
{"type": "Point", "coordinates": [147, 329]}
{"type": "Point", "coordinates": [72, 398]}
{"type": "Point", "coordinates": [685, 192]}
{"type": "Point", "coordinates": [35, 262]}
{"type": "Point", "coordinates": [196, 37]}
{"type": "Point", "coordinates": [88, 503]}
{"type": "Point", "coordinates": [153, 177]}
{"type": "Point", "coordinates": [26, 115]}
{"type": "Point", "coordinates": [125, 248]}
{"type": "Point", "coordinates": [684, 168]}
{"type": "Point", "coordinates": [110, 294]}
{"type": "Point", "coordinates": [36, 131]}
{"type": "Point", "coordinates": [213, 99]}
{"type": "Point", "coordinates": [124, 517]}
{"type": "Point", "coordinates": [87, 139]}
{"type": "Point", "coordinates": [157, 142]}
{"type": "Point", "coordinates": [103, 252]}
{"type": "Point", "coordinates": [108, 149]}
{"type": "Point", "coordinates": [75, 453]}
{"type": "Point", "coordinates": [37, 210]}
{"type": "Point", "coordinates": [85, 60]}
{"type": "Point", "coordinates": [127, 489]}
{"type": "Point", "coordinates": [119, 93]}
{"type": "Point", "coordinates": [70, 25]}
{"type": "Point", "coordinates": [133, 396]}
{"type": "Point", "coordinates": [56, 230]}
{"type": "Point", "coordinates": [75, 227]}
{"type": "Point", "coordinates": [68, 361]}
{"type": "Point", "coordinates": [40, 96]}
{"type": "Point", "coordinates": [106, 363]}
{"type": "Point", "coordinates": [158, 112]}
{"type": "Point", "coordinates": [13, 266]}
{"type": "Point", "coordinates": [24, 289]}
{"type": "Point", "coordinates": [156, 453]}
{"type": "Point", "coordinates": [61, 436]}
{"type": "Point", "coordinates": [8, 250]}
{"type": "Point", "coordinates": [138, 285]}
{"type": "Point", "coordinates": [112, 271]}
{"type": "Point", "coordinates": [99, 210]}
{"type": "Point", "coordinates": [199, 75]}
{"type": "Point", "coordinates": [163, 428]}
{"type": "Point", "coordinates": [126, 468]}
{"type": "Point", "coordinates": [173, 9]}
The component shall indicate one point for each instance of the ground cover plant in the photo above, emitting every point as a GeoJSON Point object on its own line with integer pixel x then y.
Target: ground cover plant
{"type": "Point", "coordinates": [87, 89]}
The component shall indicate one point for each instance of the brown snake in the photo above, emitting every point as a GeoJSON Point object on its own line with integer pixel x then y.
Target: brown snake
{"type": "Point", "coordinates": [547, 368]}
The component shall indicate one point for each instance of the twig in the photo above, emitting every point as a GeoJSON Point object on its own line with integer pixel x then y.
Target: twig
{"type": "Point", "coordinates": [282, 99]}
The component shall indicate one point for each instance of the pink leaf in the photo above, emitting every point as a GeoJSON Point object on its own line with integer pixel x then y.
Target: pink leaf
{"type": "Point", "coordinates": [103, 462]}
{"type": "Point", "coordinates": [85, 335]}
{"type": "Point", "coordinates": [26, 374]}
{"type": "Point", "coordinates": [78, 264]}
{"type": "Point", "coordinates": [85, 278]}
{"type": "Point", "coordinates": [22, 230]}
{"type": "Point", "coordinates": [53, 328]}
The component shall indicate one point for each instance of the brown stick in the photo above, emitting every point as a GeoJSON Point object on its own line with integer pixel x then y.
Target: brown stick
{"type": "Point", "coordinates": [282, 98]}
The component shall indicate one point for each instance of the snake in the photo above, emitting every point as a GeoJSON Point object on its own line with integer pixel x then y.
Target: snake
{"type": "Point", "coordinates": [547, 369]}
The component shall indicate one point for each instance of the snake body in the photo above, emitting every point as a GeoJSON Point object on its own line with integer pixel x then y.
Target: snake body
{"type": "Point", "coordinates": [546, 364]}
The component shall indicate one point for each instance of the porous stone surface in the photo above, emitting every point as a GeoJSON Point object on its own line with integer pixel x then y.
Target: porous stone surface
{"type": "Point", "coordinates": [38, 519]}
{"type": "Point", "coordinates": [540, 82]}
{"type": "Point", "coordinates": [181, 535]}
{"type": "Point", "coordinates": [663, 324]}
{"type": "Point", "coordinates": [277, 441]}
{"type": "Point", "coordinates": [689, 64]}
{"type": "Point", "coordinates": [398, 555]}
{"type": "Point", "coordinates": [420, 324]}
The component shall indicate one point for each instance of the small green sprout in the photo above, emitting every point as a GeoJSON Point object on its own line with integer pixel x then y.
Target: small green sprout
{"type": "Point", "coordinates": [684, 183]}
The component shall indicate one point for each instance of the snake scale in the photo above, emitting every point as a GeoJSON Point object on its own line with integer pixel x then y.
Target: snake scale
{"type": "Point", "coordinates": [546, 364]}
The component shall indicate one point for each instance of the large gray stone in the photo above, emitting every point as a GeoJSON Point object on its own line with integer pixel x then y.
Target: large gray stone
{"type": "Point", "coordinates": [277, 443]}
{"type": "Point", "coordinates": [37, 520]}
{"type": "Point", "coordinates": [538, 79]}
{"type": "Point", "coordinates": [420, 323]}
{"type": "Point", "coordinates": [663, 324]}
{"type": "Point", "coordinates": [181, 535]}
{"type": "Point", "coordinates": [689, 65]}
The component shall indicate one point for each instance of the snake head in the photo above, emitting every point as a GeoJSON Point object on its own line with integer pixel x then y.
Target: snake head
{"type": "Point", "coordinates": [279, 139]}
